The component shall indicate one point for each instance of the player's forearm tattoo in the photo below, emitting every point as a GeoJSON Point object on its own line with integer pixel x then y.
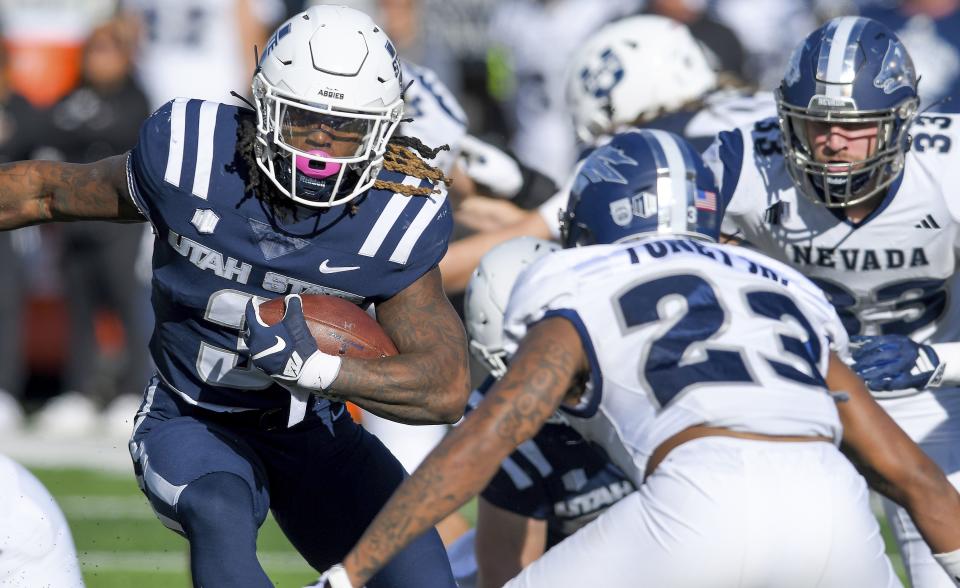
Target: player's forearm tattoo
{"type": "Point", "coordinates": [464, 462]}
{"type": "Point", "coordinates": [428, 381]}
{"type": "Point", "coordinates": [40, 191]}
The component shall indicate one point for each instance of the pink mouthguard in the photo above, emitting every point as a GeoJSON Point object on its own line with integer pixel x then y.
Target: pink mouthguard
{"type": "Point", "coordinates": [317, 169]}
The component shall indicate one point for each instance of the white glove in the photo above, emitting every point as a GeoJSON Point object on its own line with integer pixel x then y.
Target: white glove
{"type": "Point", "coordinates": [335, 577]}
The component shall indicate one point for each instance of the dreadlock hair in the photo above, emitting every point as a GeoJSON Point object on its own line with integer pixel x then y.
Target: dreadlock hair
{"type": "Point", "coordinates": [400, 157]}
{"type": "Point", "coordinates": [257, 183]}
{"type": "Point", "coordinates": [403, 155]}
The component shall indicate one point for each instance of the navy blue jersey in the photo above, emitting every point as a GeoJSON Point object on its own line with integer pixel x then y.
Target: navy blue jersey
{"type": "Point", "coordinates": [557, 476]}
{"type": "Point", "coordinates": [217, 246]}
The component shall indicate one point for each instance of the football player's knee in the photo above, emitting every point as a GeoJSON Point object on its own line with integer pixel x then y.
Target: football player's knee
{"type": "Point", "coordinates": [217, 501]}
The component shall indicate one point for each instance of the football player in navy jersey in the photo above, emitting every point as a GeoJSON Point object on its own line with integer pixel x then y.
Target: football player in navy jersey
{"type": "Point", "coordinates": [308, 193]}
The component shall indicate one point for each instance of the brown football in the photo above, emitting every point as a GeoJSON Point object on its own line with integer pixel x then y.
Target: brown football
{"type": "Point", "coordinates": [338, 326]}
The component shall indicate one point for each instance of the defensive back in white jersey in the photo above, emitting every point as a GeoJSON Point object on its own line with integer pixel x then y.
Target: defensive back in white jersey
{"type": "Point", "coordinates": [682, 333]}
{"type": "Point", "coordinates": [678, 333]}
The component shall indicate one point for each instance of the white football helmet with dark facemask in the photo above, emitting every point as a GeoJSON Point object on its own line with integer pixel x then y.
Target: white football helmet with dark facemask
{"type": "Point", "coordinates": [487, 295]}
{"type": "Point", "coordinates": [328, 93]}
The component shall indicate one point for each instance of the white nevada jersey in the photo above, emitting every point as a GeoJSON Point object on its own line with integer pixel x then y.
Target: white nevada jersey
{"type": "Point", "coordinates": [889, 274]}
{"type": "Point", "coordinates": [682, 333]}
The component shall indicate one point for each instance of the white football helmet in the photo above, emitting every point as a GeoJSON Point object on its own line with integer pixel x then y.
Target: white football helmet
{"type": "Point", "coordinates": [488, 292]}
{"type": "Point", "coordinates": [633, 70]}
{"type": "Point", "coordinates": [328, 92]}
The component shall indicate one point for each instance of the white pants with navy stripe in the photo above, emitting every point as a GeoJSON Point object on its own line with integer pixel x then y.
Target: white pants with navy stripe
{"type": "Point", "coordinates": [722, 513]}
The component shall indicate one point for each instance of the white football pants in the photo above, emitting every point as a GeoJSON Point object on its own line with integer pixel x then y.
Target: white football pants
{"type": "Point", "coordinates": [36, 548]}
{"type": "Point", "coordinates": [722, 512]}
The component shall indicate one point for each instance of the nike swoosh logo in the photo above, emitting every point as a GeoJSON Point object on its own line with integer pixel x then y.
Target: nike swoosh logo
{"type": "Point", "coordinates": [328, 269]}
{"type": "Point", "coordinates": [276, 348]}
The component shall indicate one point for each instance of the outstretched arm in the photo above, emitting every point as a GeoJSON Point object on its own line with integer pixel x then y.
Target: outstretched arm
{"type": "Point", "coordinates": [34, 192]}
{"type": "Point", "coordinates": [513, 411]}
{"type": "Point", "coordinates": [428, 382]}
{"type": "Point", "coordinates": [893, 464]}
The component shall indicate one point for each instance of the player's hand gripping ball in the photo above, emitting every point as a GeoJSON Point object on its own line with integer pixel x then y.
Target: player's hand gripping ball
{"type": "Point", "coordinates": [286, 336]}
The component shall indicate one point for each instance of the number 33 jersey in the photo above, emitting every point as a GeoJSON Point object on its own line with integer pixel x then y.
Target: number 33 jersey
{"type": "Point", "coordinates": [681, 333]}
{"type": "Point", "coordinates": [888, 274]}
{"type": "Point", "coordinates": [217, 246]}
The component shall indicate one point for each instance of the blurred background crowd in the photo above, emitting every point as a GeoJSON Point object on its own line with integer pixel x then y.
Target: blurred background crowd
{"type": "Point", "coordinates": [78, 76]}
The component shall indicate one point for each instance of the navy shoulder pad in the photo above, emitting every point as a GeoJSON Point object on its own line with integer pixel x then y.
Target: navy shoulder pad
{"type": "Point", "coordinates": [148, 156]}
{"type": "Point", "coordinates": [179, 148]}
{"type": "Point", "coordinates": [408, 223]}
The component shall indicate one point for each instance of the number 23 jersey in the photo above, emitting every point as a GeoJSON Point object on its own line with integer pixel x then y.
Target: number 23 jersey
{"type": "Point", "coordinates": [888, 274]}
{"type": "Point", "coordinates": [681, 333]}
{"type": "Point", "coordinates": [217, 246]}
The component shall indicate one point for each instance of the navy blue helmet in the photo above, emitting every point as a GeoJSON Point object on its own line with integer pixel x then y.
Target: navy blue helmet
{"type": "Point", "coordinates": [851, 71]}
{"type": "Point", "coordinates": [642, 182]}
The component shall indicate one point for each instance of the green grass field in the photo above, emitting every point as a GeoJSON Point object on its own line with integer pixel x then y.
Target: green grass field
{"type": "Point", "coordinates": [121, 543]}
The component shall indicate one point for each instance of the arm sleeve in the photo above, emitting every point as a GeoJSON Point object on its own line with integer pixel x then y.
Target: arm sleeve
{"type": "Point", "coordinates": [436, 118]}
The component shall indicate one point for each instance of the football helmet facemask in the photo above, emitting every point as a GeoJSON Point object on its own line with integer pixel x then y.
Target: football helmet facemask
{"type": "Point", "coordinates": [328, 94]}
{"type": "Point", "coordinates": [851, 73]}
